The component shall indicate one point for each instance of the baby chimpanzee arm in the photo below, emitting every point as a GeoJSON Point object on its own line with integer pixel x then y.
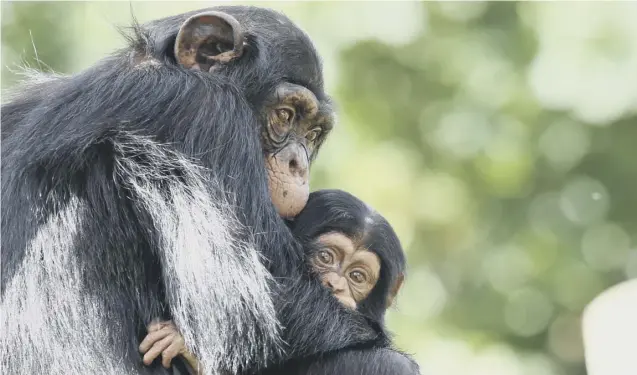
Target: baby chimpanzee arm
{"type": "Point", "coordinates": [164, 339]}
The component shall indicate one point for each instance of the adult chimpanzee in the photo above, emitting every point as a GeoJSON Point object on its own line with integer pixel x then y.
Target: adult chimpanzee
{"type": "Point", "coordinates": [138, 189]}
{"type": "Point", "coordinates": [355, 253]}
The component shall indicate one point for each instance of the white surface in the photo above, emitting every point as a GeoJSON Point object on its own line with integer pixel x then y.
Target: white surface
{"type": "Point", "coordinates": [610, 331]}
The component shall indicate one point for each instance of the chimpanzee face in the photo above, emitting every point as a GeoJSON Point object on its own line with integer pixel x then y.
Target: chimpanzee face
{"type": "Point", "coordinates": [349, 270]}
{"type": "Point", "coordinates": [295, 114]}
{"type": "Point", "coordinates": [295, 127]}
{"type": "Point", "coordinates": [352, 249]}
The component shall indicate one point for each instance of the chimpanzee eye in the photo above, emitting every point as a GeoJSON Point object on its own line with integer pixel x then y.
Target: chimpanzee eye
{"type": "Point", "coordinates": [281, 123]}
{"type": "Point", "coordinates": [285, 115]}
{"type": "Point", "coordinates": [313, 134]}
{"type": "Point", "coordinates": [358, 277]}
{"type": "Point", "coordinates": [325, 257]}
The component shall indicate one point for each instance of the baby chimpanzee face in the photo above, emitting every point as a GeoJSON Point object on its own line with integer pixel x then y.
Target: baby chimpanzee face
{"type": "Point", "coordinates": [345, 267]}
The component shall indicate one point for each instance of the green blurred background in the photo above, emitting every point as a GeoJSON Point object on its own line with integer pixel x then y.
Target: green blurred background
{"type": "Point", "coordinates": [497, 138]}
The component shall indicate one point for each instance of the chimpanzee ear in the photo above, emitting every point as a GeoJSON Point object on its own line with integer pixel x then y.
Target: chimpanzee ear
{"type": "Point", "coordinates": [208, 39]}
{"type": "Point", "coordinates": [394, 290]}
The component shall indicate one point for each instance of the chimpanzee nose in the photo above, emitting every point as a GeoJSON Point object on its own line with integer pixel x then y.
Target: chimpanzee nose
{"type": "Point", "coordinates": [298, 164]}
{"type": "Point", "coordinates": [294, 156]}
{"type": "Point", "coordinates": [335, 283]}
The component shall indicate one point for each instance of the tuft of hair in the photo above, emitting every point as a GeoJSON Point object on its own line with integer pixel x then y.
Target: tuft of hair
{"type": "Point", "coordinates": [202, 255]}
{"type": "Point", "coordinates": [30, 79]}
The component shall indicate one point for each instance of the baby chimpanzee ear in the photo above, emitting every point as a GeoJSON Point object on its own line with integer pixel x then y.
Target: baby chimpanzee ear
{"type": "Point", "coordinates": [395, 289]}
{"type": "Point", "coordinates": [208, 39]}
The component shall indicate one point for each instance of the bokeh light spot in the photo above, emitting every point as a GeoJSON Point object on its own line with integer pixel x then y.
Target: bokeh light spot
{"type": "Point", "coordinates": [584, 201]}
{"type": "Point", "coordinates": [527, 312]}
{"type": "Point", "coordinates": [605, 247]}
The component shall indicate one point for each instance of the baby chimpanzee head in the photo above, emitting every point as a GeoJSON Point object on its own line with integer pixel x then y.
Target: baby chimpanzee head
{"type": "Point", "coordinates": [353, 250]}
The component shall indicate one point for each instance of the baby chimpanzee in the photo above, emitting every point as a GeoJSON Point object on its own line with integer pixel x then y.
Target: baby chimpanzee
{"type": "Point", "coordinates": [352, 249]}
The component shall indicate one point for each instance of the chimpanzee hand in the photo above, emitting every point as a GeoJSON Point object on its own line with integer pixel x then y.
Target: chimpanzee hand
{"type": "Point", "coordinates": [164, 338]}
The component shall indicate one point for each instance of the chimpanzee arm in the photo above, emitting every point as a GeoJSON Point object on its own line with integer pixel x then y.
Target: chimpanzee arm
{"type": "Point", "coordinates": [315, 322]}
{"type": "Point", "coordinates": [99, 152]}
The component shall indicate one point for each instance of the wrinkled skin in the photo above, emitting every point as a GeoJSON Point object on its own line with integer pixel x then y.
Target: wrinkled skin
{"type": "Point", "coordinates": [296, 124]}
{"type": "Point", "coordinates": [346, 268]}
{"type": "Point", "coordinates": [288, 181]}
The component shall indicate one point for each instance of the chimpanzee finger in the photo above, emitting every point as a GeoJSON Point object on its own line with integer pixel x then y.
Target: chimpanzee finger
{"type": "Point", "coordinates": [157, 348]}
{"type": "Point", "coordinates": [152, 338]}
{"type": "Point", "coordinates": [171, 352]}
{"type": "Point", "coordinates": [156, 325]}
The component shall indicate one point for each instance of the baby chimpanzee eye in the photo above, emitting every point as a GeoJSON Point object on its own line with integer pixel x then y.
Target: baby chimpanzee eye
{"type": "Point", "coordinates": [325, 257]}
{"type": "Point", "coordinates": [357, 276]}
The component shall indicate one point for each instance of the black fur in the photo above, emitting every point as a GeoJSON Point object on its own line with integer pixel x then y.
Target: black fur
{"type": "Point", "coordinates": [367, 361]}
{"type": "Point", "coordinates": [136, 190]}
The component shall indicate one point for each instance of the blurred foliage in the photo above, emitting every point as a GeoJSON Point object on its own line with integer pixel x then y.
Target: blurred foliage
{"type": "Point", "coordinates": [498, 139]}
